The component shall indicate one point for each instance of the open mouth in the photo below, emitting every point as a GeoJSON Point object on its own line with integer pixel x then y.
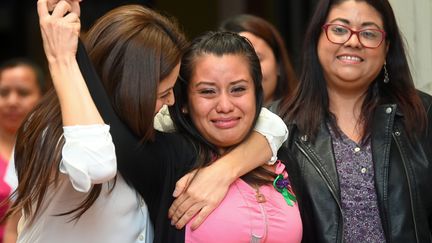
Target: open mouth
{"type": "Point", "coordinates": [347, 58]}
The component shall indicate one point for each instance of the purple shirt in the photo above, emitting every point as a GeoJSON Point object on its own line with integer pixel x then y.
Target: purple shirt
{"type": "Point", "coordinates": [362, 222]}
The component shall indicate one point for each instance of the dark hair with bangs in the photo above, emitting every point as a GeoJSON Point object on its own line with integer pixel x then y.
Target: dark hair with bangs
{"type": "Point", "coordinates": [215, 43]}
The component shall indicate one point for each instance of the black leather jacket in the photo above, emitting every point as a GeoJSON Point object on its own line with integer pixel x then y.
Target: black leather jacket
{"type": "Point", "coordinates": [403, 179]}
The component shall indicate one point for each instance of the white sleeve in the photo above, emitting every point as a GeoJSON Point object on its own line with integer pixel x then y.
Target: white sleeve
{"type": "Point", "coordinates": [88, 156]}
{"type": "Point", "coordinates": [273, 128]}
{"type": "Point", "coordinates": [162, 120]}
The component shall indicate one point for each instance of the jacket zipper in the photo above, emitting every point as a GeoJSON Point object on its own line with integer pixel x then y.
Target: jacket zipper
{"type": "Point", "coordinates": [409, 185]}
{"type": "Point", "coordinates": [328, 186]}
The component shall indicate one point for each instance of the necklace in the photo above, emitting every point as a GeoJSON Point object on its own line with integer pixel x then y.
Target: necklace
{"type": "Point", "coordinates": [260, 198]}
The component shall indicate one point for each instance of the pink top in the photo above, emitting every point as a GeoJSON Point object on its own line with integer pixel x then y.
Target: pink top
{"type": "Point", "coordinates": [4, 193]}
{"type": "Point", "coordinates": [239, 216]}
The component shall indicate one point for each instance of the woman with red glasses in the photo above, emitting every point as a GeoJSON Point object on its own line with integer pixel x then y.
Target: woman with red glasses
{"type": "Point", "coordinates": [360, 132]}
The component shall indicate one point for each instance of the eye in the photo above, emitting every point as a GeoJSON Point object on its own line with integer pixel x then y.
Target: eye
{"type": "Point", "coordinates": [238, 89]}
{"type": "Point", "coordinates": [4, 92]}
{"type": "Point", "coordinates": [206, 91]}
{"type": "Point", "coordinates": [339, 30]}
{"type": "Point", "coordinates": [23, 92]}
{"type": "Point", "coordinates": [370, 34]}
{"type": "Point", "coordinates": [166, 94]}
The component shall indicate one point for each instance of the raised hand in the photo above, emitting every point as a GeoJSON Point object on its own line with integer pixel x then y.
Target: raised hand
{"type": "Point", "coordinates": [60, 27]}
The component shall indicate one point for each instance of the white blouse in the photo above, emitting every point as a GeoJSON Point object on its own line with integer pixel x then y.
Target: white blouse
{"type": "Point", "coordinates": [117, 216]}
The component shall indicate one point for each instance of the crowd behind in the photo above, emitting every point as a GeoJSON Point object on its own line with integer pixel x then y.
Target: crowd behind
{"type": "Point", "coordinates": [146, 136]}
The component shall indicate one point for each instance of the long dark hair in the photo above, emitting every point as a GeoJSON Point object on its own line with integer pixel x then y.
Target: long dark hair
{"type": "Point", "coordinates": [310, 103]}
{"type": "Point", "coordinates": [263, 29]}
{"type": "Point", "coordinates": [132, 49]}
{"type": "Point", "coordinates": [218, 44]}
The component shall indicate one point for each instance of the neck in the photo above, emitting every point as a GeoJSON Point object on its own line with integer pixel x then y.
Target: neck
{"type": "Point", "coordinates": [268, 101]}
{"type": "Point", "coordinates": [347, 109]}
{"type": "Point", "coordinates": [7, 141]}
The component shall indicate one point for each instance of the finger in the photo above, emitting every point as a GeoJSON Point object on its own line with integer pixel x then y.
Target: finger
{"type": "Point", "coordinates": [201, 216]}
{"type": "Point", "coordinates": [189, 203]}
{"type": "Point", "coordinates": [72, 18]}
{"type": "Point", "coordinates": [183, 183]}
{"type": "Point", "coordinates": [180, 186]}
{"type": "Point", "coordinates": [61, 9]}
{"type": "Point", "coordinates": [75, 7]}
{"type": "Point", "coordinates": [176, 204]}
{"type": "Point", "coordinates": [42, 8]}
{"type": "Point", "coordinates": [188, 215]}
{"type": "Point", "coordinates": [51, 4]}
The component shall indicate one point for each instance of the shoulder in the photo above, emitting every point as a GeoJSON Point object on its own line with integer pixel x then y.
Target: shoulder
{"type": "Point", "coordinates": [426, 99]}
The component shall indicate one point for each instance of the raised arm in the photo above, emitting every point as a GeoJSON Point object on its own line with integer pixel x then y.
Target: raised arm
{"type": "Point", "coordinates": [210, 185]}
{"type": "Point", "coordinates": [60, 32]}
{"type": "Point", "coordinates": [84, 130]}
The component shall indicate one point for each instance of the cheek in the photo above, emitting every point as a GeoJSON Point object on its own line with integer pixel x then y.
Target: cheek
{"type": "Point", "coordinates": [33, 100]}
{"type": "Point", "coordinates": [248, 105]}
{"type": "Point", "coordinates": [269, 70]}
{"type": "Point", "coordinates": [197, 109]}
{"type": "Point", "coordinates": [323, 50]}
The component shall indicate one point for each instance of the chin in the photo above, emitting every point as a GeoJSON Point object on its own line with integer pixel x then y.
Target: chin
{"type": "Point", "coordinates": [226, 143]}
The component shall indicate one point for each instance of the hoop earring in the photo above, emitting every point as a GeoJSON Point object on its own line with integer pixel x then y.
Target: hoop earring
{"type": "Point", "coordinates": [386, 75]}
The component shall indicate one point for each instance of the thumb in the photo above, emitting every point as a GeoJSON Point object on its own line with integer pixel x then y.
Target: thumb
{"type": "Point", "coordinates": [182, 184]}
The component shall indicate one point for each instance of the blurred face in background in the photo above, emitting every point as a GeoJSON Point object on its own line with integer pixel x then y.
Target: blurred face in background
{"type": "Point", "coordinates": [19, 93]}
{"type": "Point", "coordinates": [269, 66]}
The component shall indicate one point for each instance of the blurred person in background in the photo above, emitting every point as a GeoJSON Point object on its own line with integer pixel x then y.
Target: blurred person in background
{"type": "Point", "coordinates": [21, 87]}
{"type": "Point", "coordinates": [279, 78]}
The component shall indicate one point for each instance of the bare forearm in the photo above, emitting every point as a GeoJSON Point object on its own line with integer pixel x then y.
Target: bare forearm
{"type": "Point", "coordinates": [252, 153]}
{"type": "Point", "coordinates": [75, 100]}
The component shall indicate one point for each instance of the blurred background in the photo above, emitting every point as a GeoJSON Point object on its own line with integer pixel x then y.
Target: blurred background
{"type": "Point", "coordinates": [20, 34]}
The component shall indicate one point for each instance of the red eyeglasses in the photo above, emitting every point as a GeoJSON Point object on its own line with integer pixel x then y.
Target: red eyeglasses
{"type": "Point", "coordinates": [339, 34]}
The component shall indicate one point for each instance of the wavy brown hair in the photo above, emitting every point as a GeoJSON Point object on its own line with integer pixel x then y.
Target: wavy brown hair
{"type": "Point", "coordinates": [132, 48]}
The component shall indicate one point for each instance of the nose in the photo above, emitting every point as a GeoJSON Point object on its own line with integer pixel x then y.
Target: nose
{"type": "Point", "coordinates": [225, 104]}
{"type": "Point", "coordinates": [12, 99]}
{"type": "Point", "coordinates": [170, 100]}
{"type": "Point", "coordinates": [353, 41]}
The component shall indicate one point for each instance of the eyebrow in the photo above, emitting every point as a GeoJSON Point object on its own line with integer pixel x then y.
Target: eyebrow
{"type": "Point", "coordinates": [347, 22]}
{"type": "Point", "coordinates": [213, 83]}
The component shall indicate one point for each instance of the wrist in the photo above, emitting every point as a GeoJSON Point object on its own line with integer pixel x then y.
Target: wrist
{"type": "Point", "coordinates": [61, 61]}
{"type": "Point", "coordinates": [226, 171]}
